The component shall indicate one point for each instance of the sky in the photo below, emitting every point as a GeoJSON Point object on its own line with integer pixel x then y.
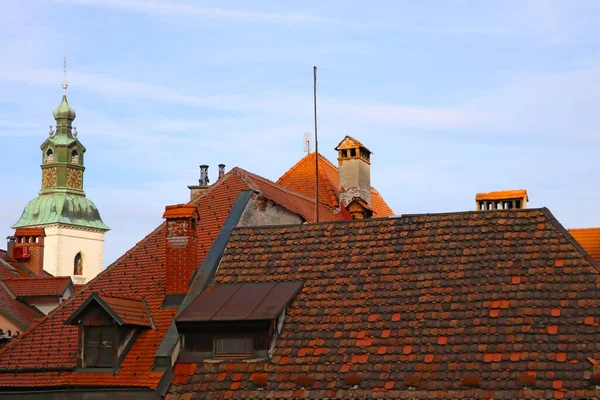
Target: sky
{"type": "Point", "coordinates": [453, 98]}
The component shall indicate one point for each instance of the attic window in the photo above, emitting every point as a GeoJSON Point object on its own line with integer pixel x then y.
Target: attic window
{"type": "Point", "coordinates": [107, 329]}
{"type": "Point", "coordinates": [99, 349]}
{"type": "Point", "coordinates": [233, 321]}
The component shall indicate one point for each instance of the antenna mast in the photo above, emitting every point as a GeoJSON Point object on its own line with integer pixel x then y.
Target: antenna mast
{"type": "Point", "coordinates": [316, 146]}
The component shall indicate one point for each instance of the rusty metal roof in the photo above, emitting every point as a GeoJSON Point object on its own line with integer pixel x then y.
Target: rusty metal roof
{"type": "Point", "coordinates": [241, 301]}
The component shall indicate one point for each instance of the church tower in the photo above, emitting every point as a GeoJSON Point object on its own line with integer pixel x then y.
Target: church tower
{"type": "Point", "coordinates": [61, 231]}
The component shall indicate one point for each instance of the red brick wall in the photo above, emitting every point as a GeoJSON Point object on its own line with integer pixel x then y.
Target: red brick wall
{"type": "Point", "coordinates": [181, 253]}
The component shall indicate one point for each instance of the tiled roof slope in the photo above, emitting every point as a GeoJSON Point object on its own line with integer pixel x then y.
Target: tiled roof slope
{"type": "Point", "coordinates": [589, 239]}
{"type": "Point", "coordinates": [27, 287]}
{"type": "Point", "coordinates": [141, 273]}
{"type": "Point", "coordinates": [420, 300]}
{"type": "Point", "coordinates": [301, 178]}
{"type": "Point", "coordinates": [132, 312]}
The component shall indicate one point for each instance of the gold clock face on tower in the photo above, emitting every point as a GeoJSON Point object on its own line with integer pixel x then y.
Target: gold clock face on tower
{"type": "Point", "coordinates": [75, 178]}
{"type": "Point", "coordinates": [49, 177]}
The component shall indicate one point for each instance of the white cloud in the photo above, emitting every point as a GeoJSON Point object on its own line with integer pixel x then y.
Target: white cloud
{"type": "Point", "coordinates": [163, 8]}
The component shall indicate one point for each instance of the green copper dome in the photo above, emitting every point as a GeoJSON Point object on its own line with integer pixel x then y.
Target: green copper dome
{"type": "Point", "coordinates": [61, 208]}
{"type": "Point", "coordinates": [64, 110]}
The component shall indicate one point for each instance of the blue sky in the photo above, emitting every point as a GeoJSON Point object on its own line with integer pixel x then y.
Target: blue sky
{"type": "Point", "coordinates": [453, 97]}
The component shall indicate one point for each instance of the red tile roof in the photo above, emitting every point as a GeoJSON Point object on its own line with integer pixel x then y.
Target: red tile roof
{"type": "Point", "coordinates": [589, 239]}
{"type": "Point", "coordinates": [19, 313]}
{"type": "Point", "coordinates": [132, 312]}
{"type": "Point", "coordinates": [502, 195]}
{"type": "Point", "coordinates": [141, 273]}
{"type": "Point", "coordinates": [301, 178]}
{"type": "Point", "coordinates": [420, 306]}
{"type": "Point", "coordinates": [293, 201]}
{"type": "Point", "coordinates": [180, 211]}
{"type": "Point", "coordinates": [125, 311]}
{"type": "Point", "coordinates": [31, 287]}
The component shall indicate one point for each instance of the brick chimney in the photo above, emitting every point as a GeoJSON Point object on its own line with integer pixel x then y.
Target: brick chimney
{"type": "Point", "coordinates": [202, 183]}
{"type": "Point", "coordinates": [181, 252]}
{"type": "Point", "coordinates": [501, 200]}
{"type": "Point", "coordinates": [28, 248]}
{"type": "Point", "coordinates": [354, 176]}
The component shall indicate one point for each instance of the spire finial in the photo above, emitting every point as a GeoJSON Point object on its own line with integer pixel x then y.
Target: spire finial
{"type": "Point", "coordinates": [65, 85]}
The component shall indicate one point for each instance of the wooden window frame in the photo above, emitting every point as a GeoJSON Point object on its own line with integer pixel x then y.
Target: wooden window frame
{"type": "Point", "coordinates": [103, 329]}
{"type": "Point", "coordinates": [224, 355]}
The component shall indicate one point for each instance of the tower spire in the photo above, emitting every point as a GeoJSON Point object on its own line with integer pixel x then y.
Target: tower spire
{"type": "Point", "coordinates": [65, 85]}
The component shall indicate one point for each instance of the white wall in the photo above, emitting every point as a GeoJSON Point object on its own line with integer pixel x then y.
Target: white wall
{"type": "Point", "coordinates": [63, 242]}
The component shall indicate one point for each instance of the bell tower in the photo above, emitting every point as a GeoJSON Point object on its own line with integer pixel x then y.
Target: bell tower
{"type": "Point", "coordinates": [73, 232]}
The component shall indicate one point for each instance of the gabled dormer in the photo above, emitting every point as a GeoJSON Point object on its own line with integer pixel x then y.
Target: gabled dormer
{"type": "Point", "coordinates": [235, 321]}
{"type": "Point", "coordinates": [108, 327]}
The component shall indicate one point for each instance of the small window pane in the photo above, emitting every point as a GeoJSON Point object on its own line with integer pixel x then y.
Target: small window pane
{"type": "Point", "coordinates": [233, 346]}
{"type": "Point", "coordinates": [98, 346]}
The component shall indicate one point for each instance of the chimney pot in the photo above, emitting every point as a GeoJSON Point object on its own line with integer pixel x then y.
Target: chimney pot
{"type": "Point", "coordinates": [221, 170]}
{"type": "Point", "coordinates": [203, 175]}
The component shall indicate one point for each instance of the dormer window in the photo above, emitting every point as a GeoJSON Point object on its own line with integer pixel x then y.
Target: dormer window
{"type": "Point", "coordinates": [235, 321]}
{"type": "Point", "coordinates": [107, 329]}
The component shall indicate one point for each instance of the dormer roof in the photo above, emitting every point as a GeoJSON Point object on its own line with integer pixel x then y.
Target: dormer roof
{"type": "Point", "coordinates": [241, 302]}
{"type": "Point", "coordinates": [122, 310]}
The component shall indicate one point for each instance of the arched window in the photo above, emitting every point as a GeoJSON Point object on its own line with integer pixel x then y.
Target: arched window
{"type": "Point", "coordinates": [78, 265]}
{"type": "Point", "coordinates": [74, 157]}
{"type": "Point", "coordinates": [49, 156]}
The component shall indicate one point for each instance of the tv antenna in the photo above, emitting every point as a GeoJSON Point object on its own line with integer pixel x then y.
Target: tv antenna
{"type": "Point", "coordinates": [307, 142]}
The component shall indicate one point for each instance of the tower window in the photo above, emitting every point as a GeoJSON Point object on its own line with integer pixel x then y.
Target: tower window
{"type": "Point", "coordinates": [344, 153]}
{"type": "Point", "coordinates": [352, 152]}
{"type": "Point", "coordinates": [75, 157]}
{"type": "Point", "coordinates": [49, 156]}
{"type": "Point", "coordinates": [78, 264]}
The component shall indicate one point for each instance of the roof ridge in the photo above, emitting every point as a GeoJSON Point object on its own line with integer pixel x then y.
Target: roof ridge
{"type": "Point", "coordinates": [242, 174]}
{"type": "Point", "coordinates": [328, 183]}
{"type": "Point", "coordinates": [393, 217]}
{"type": "Point", "coordinates": [294, 167]}
{"type": "Point", "coordinates": [23, 278]}
{"type": "Point", "coordinates": [217, 184]}
{"type": "Point", "coordinates": [570, 238]}
{"type": "Point", "coordinates": [281, 187]}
